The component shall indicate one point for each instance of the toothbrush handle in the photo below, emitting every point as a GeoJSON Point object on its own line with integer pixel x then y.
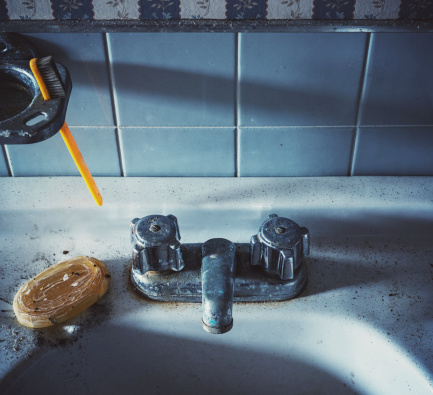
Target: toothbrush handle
{"type": "Point", "coordinates": [81, 164]}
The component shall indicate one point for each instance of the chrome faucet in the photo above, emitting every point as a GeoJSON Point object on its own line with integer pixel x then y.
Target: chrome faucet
{"type": "Point", "coordinates": [218, 271]}
{"type": "Point", "coordinates": [218, 285]}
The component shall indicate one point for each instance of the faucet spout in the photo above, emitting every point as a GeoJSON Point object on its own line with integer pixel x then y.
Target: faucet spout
{"type": "Point", "coordinates": [218, 282]}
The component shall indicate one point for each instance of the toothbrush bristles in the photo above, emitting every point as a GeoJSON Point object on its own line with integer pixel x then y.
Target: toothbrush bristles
{"type": "Point", "coordinates": [49, 74]}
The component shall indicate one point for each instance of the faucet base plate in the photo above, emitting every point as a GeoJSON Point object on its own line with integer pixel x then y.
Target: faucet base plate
{"type": "Point", "coordinates": [252, 284]}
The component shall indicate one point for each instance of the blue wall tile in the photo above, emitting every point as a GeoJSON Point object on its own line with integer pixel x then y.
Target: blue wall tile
{"type": "Point", "coordinates": [399, 81]}
{"type": "Point", "coordinates": [179, 151]}
{"type": "Point", "coordinates": [176, 79]}
{"type": "Point", "coordinates": [100, 150]}
{"type": "Point", "coordinates": [183, 86]}
{"type": "Point", "coordinates": [394, 151]}
{"type": "Point", "coordinates": [84, 56]}
{"type": "Point", "coordinates": [300, 79]}
{"type": "Point", "coordinates": [52, 158]}
{"type": "Point", "coordinates": [3, 167]}
{"type": "Point", "coordinates": [277, 152]}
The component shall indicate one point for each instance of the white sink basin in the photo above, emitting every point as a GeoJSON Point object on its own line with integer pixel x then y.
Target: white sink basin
{"type": "Point", "coordinates": [301, 353]}
{"type": "Point", "coordinates": [363, 325]}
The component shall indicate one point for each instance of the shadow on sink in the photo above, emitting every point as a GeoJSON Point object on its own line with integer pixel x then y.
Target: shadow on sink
{"type": "Point", "coordinates": [126, 360]}
{"type": "Point", "coordinates": [301, 353]}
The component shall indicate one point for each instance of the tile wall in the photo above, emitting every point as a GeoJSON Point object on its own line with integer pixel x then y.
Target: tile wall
{"type": "Point", "coordinates": [240, 105]}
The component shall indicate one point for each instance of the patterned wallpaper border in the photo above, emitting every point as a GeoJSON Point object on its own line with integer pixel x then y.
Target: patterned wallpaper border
{"type": "Point", "coordinates": [215, 9]}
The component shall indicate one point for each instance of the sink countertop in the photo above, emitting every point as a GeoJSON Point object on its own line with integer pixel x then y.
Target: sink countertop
{"type": "Point", "coordinates": [371, 258]}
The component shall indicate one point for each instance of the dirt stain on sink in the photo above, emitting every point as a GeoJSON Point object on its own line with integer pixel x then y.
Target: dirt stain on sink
{"type": "Point", "coordinates": [143, 300]}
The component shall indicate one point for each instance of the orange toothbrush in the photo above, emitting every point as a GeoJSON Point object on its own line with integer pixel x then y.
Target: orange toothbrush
{"type": "Point", "coordinates": [51, 88]}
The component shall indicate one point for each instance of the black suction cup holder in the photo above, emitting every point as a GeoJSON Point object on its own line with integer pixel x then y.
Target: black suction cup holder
{"type": "Point", "coordinates": [25, 117]}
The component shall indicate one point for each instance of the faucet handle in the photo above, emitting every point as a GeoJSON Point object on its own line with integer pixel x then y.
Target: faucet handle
{"type": "Point", "coordinates": [280, 246]}
{"type": "Point", "coordinates": [156, 245]}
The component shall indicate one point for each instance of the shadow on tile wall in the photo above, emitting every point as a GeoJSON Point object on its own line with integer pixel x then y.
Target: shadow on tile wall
{"type": "Point", "coordinates": [240, 105]}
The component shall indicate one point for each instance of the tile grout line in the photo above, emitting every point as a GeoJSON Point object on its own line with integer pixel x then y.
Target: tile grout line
{"type": "Point", "coordinates": [115, 107]}
{"type": "Point", "coordinates": [397, 126]}
{"type": "Point", "coordinates": [8, 161]}
{"type": "Point", "coordinates": [299, 127]}
{"type": "Point", "coordinates": [178, 127]}
{"type": "Point", "coordinates": [360, 103]}
{"type": "Point", "coordinates": [251, 127]}
{"type": "Point", "coordinates": [237, 104]}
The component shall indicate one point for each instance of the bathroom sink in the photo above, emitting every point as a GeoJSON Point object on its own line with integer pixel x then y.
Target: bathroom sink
{"type": "Point", "coordinates": [364, 323]}
{"type": "Point", "coordinates": [299, 353]}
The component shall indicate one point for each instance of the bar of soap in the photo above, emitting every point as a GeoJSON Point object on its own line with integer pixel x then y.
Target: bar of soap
{"type": "Point", "coordinates": [61, 292]}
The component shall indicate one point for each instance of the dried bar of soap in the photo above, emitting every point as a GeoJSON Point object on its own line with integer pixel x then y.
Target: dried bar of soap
{"type": "Point", "coordinates": [61, 292]}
